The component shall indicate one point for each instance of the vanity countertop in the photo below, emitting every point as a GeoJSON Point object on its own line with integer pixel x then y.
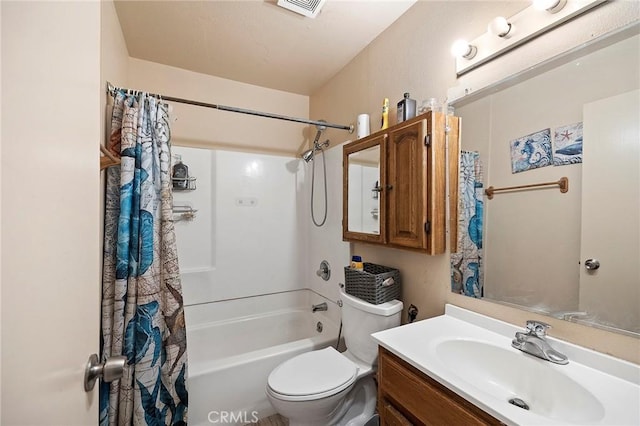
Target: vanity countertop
{"type": "Point", "coordinates": [471, 354]}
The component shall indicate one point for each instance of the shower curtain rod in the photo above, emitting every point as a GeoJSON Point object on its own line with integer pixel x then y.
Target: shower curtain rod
{"type": "Point", "coordinates": [111, 89]}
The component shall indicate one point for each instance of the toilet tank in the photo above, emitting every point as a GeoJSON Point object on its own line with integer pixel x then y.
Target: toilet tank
{"type": "Point", "coordinates": [360, 319]}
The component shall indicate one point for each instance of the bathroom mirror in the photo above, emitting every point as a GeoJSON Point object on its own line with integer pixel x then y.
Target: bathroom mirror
{"type": "Point", "coordinates": [363, 182]}
{"type": "Point", "coordinates": [572, 255]}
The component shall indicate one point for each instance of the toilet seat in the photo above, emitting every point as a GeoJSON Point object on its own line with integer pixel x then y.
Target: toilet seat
{"type": "Point", "coordinates": [312, 375]}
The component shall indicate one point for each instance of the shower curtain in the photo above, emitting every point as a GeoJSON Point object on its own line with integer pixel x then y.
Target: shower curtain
{"type": "Point", "coordinates": [142, 307]}
{"type": "Point", "coordinates": [466, 264]}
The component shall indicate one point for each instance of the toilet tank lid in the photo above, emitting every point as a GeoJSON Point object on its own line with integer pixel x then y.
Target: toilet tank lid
{"type": "Point", "coordinates": [384, 309]}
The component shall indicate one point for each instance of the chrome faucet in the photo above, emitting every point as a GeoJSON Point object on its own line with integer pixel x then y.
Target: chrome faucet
{"type": "Point", "coordinates": [319, 307]}
{"type": "Point", "coordinates": [534, 342]}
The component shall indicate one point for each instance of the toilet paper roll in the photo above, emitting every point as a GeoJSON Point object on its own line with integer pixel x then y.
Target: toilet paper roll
{"type": "Point", "coordinates": [363, 126]}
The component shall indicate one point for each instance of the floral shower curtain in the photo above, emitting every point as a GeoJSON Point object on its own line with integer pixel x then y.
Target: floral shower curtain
{"type": "Point", "coordinates": [466, 264]}
{"type": "Point", "coordinates": [142, 307]}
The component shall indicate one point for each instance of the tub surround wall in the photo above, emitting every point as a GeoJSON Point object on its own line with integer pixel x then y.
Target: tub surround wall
{"type": "Point", "coordinates": [246, 236]}
{"type": "Point", "coordinates": [234, 248]}
{"type": "Point", "coordinates": [424, 67]}
{"type": "Point", "coordinates": [325, 243]}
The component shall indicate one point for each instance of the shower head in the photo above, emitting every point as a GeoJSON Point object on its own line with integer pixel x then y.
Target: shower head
{"type": "Point", "coordinates": [310, 153]}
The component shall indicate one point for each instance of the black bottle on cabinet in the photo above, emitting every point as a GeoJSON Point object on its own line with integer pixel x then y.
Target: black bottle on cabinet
{"type": "Point", "coordinates": [406, 108]}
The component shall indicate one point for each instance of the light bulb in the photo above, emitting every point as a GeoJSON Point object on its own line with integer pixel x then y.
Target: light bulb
{"type": "Point", "coordinates": [462, 48]}
{"type": "Point", "coordinates": [499, 27]}
{"type": "Point", "coordinates": [551, 6]}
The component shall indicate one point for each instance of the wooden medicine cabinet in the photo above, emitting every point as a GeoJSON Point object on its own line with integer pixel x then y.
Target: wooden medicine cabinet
{"type": "Point", "coordinates": [394, 184]}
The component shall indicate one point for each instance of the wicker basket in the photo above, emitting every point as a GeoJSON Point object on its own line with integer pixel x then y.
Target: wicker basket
{"type": "Point", "coordinates": [367, 284]}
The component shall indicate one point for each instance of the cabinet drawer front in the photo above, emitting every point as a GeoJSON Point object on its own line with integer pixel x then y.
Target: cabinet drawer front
{"type": "Point", "coordinates": [426, 400]}
{"type": "Point", "coordinates": [393, 417]}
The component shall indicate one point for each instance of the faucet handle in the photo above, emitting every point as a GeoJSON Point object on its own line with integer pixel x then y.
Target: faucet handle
{"type": "Point", "coordinates": [538, 328]}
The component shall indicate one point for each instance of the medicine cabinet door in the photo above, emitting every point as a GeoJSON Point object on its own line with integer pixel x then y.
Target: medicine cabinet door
{"type": "Point", "coordinates": [407, 197]}
{"type": "Point", "coordinates": [364, 195]}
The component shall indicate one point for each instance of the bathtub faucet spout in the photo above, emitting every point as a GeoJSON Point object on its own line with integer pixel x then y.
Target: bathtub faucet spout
{"type": "Point", "coordinates": [319, 307]}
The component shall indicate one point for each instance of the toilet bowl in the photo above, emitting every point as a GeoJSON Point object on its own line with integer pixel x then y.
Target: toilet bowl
{"type": "Point", "coordinates": [326, 387]}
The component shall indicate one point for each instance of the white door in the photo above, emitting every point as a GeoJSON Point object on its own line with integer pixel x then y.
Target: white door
{"type": "Point", "coordinates": [50, 197]}
{"type": "Point", "coordinates": [611, 210]}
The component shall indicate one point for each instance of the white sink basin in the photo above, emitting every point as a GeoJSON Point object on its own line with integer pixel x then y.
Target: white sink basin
{"type": "Point", "coordinates": [506, 374]}
{"type": "Point", "coordinates": [471, 354]}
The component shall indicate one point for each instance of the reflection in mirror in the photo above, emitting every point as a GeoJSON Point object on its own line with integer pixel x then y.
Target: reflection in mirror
{"type": "Point", "coordinates": [530, 247]}
{"type": "Point", "coordinates": [364, 191]}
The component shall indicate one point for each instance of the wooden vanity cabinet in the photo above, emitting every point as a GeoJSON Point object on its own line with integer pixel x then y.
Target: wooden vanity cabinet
{"type": "Point", "coordinates": [406, 396]}
{"type": "Point", "coordinates": [413, 167]}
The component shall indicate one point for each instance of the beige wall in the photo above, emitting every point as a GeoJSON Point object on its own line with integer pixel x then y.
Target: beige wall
{"type": "Point", "coordinates": [209, 128]}
{"type": "Point", "coordinates": [50, 217]}
{"type": "Point", "coordinates": [114, 57]}
{"type": "Point", "coordinates": [413, 55]}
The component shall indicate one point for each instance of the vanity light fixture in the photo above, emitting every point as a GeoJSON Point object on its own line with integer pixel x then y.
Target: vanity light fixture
{"type": "Point", "coordinates": [530, 23]}
{"type": "Point", "coordinates": [500, 27]}
{"type": "Point", "coordinates": [551, 6]}
{"type": "Point", "coordinates": [462, 49]}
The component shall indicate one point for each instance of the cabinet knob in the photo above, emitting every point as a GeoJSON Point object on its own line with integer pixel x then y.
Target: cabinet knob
{"type": "Point", "coordinates": [389, 187]}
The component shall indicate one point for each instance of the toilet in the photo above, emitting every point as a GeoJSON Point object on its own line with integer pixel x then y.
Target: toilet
{"type": "Point", "coordinates": [326, 387]}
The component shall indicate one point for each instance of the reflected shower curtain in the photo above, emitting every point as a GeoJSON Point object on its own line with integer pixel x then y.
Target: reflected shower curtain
{"type": "Point", "coordinates": [142, 307]}
{"type": "Point", "coordinates": [466, 264]}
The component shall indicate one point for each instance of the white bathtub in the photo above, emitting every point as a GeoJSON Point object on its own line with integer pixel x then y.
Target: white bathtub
{"type": "Point", "coordinates": [233, 345]}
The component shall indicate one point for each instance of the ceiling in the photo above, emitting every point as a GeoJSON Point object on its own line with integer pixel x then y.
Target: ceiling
{"type": "Point", "coordinates": [255, 41]}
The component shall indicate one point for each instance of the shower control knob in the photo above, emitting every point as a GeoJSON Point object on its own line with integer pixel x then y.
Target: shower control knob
{"type": "Point", "coordinates": [325, 270]}
{"type": "Point", "coordinates": [592, 264]}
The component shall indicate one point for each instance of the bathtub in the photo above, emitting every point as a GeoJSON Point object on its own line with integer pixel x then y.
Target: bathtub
{"type": "Point", "coordinates": [233, 345]}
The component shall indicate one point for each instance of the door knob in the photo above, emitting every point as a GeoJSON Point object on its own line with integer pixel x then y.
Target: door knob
{"type": "Point", "coordinates": [109, 370]}
{"type": "Point", "coordinates": [591, 264]}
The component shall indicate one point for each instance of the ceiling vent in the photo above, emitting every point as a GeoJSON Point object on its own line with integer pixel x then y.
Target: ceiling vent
{"type": "Point", "coordinates": [309, 8]}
